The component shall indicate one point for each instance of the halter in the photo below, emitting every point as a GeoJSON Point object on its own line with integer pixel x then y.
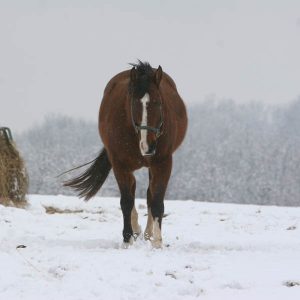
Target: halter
{"type": "Point", "coordinates": [157, 130]}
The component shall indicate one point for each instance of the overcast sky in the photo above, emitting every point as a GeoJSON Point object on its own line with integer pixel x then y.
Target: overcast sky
{"type": "Point", "coordinates": [57, 56]}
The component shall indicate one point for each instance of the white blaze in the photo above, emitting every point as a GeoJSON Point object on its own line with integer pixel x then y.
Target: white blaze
{"type": "Point", "coordinates": [143, 143]}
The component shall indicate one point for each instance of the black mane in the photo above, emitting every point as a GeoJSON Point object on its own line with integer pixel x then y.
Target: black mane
{"type": "Point", "coordinates": [145, 75]}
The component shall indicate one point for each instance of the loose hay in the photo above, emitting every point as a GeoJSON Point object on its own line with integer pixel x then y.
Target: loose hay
{"type": "Point", "coordinates": [51, 210]}
{"type": "Point", "coordinates": [13, 175]}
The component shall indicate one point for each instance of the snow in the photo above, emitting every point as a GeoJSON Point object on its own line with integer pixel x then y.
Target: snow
{"type": "Point", "coordinates": [211, 251]}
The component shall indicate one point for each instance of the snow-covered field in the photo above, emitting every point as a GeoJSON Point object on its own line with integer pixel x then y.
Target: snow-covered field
{"type": "Point", "coordinates": [211, 251]}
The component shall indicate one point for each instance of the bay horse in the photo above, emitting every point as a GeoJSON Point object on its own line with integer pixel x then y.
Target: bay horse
{"type": "Point", "coordinates": [142, 121]}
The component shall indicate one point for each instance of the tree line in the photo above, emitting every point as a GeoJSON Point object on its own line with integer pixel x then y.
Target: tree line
{"type": "Point", "coordinates": [239, 153]}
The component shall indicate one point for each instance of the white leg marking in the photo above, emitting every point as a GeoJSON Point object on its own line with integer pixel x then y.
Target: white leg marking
{"type": "Point", "coordinates": [143, 143]}
{"type": "Point", "coordinates": [149, 228]}
{"type": "Point", "coordinates": [157, 239]}
{"type": "Point", "coordinates": [134, 222]}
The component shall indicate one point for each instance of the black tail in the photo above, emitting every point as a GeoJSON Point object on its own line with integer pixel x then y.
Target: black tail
{"type": "Point", "coordinates": [89, 182]}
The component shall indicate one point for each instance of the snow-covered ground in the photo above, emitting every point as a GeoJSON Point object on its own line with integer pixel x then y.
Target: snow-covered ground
{"type": "Point", "coordinates": [211, 251]}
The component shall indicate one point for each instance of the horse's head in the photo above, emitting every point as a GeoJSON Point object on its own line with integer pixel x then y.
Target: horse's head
{"type": "Point", "coordinates": [146, 106]}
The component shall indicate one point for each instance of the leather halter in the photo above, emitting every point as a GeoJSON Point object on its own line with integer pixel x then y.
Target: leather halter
{"type": "Point", "coordinates": [157, 130]}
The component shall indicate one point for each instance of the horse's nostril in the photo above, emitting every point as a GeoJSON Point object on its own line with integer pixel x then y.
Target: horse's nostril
{"type": "Point", "coordinates": [152, 147]}
{"type": "Point", "coordinates": [147, 150]}
{"type": "Point", "coordinates": [149, 153]}
{"type": "Point", "coordinates": [151, 150]}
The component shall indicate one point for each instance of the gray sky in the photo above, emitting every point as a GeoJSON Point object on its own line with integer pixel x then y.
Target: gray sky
{"type": "Point", "coordinates": [57, 56]}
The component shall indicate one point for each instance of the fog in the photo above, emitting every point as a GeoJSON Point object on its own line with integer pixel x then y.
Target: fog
{"type": "Point", "coordinates": [238, 153]}
{"type": "Point", "coordinates": [57, 56]}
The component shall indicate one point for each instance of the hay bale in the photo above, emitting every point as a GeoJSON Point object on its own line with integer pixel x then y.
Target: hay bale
{"type": "Point", "coordinates": [13, 175]}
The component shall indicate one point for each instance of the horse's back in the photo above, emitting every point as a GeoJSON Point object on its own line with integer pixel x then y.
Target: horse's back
{"type": "Point", "coordinates": [118, 78]}
{"type": "Point", "coordinates": [114, 95]}
{"type": "Point", "coordinates": [124, 77]}
{"type": "Point", "coordinates": [112, 104]}
{"type": "Point", "coordinates": [176, 109]}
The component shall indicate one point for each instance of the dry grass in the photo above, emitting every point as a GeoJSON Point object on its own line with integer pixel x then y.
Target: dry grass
{"type": "Point", "coordinates": [13, 175]}
{"type": "Point", "coordinates": [54, 210]}
{"type": "Point", "coordinates": [51, 210]}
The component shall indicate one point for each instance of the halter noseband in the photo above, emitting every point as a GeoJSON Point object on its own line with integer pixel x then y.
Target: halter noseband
{"type": "Point", "coordinates": [157, 130]}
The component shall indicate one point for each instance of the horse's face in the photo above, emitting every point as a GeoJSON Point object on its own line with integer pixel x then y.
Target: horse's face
{"type": "Point", "coordinates": [147, 117]}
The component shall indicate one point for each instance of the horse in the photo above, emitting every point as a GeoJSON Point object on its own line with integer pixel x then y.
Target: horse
{"type": "Point", "coordinates": [142, 121]}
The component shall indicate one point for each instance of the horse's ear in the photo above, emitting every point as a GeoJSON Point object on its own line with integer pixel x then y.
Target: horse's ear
{"type": "Point", "coordinates": [133, 75]}
{"type": "Point", "coordinates": [158, 75]}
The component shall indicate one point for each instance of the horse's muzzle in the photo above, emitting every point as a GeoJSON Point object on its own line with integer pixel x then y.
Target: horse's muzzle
{"type": "Point", "coordinates": [152, 149]}
{"type": "Point", "coordinates": [149, 151]}
{"type": "Point", "coordinates": [147, 154]}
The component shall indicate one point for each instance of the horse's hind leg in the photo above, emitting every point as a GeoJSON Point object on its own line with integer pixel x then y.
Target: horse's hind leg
{"type": "Point", "coordinates": [149, 227]}
{"type": "Point", "coordinates": [134, 217]}
{"type": "Point", "coordinates": [134, 223]}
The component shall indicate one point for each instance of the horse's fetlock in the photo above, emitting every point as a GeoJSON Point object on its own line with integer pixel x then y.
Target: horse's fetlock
{"type": "Point", "coordinates": [127, 236]}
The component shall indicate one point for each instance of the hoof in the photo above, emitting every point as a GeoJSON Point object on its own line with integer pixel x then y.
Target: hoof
{"type": "Point", "coordinates": [156, 244]}
{"type": "Point", "coordinates": [147, 236]}
{"type": "Point", "coordinates": [126, 245]}
{"type": "Point", "coordinates": [136, 235]}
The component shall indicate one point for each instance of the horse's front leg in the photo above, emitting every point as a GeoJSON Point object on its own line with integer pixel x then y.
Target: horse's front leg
{"type": "Point", "coordinates": [126, 183]}
{"type": "Point", "coordinates": [160, 174]}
